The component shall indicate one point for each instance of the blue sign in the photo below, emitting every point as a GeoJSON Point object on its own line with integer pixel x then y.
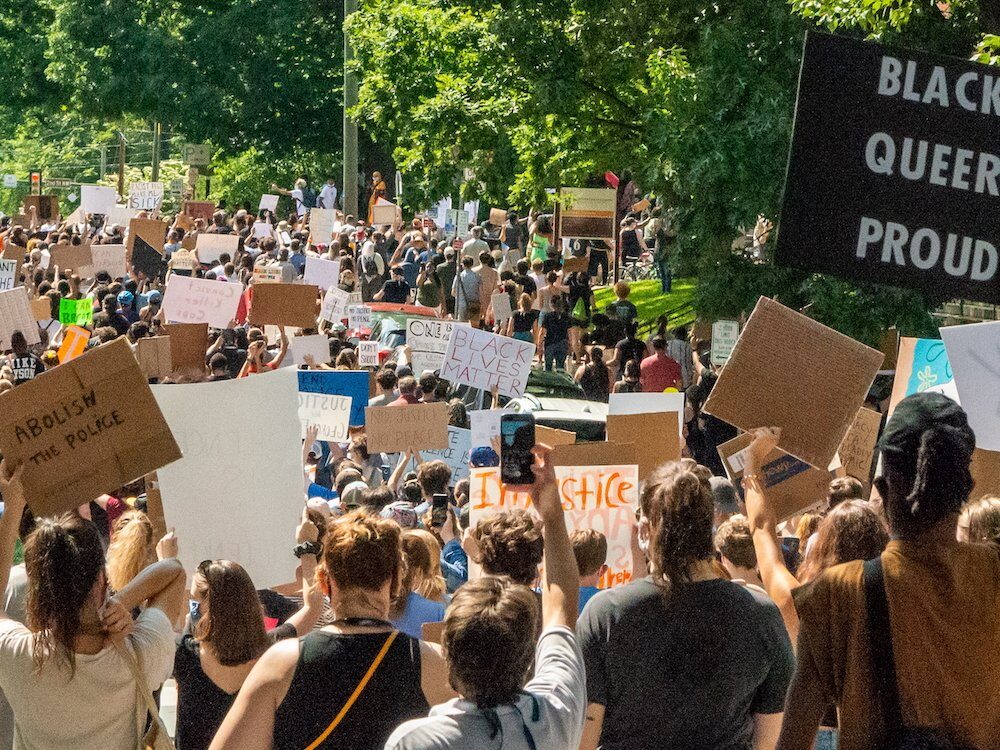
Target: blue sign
{"type": "Point", "coordinates": [350, 383]}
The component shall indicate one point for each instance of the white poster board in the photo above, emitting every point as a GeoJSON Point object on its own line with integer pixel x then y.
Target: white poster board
{"type": "Point", "coordinates": [485, 425]}
{"type": "Point", "coordinates": [120, 216]}
{"type": "Point", "coordinates": [648, 403]}
{"type": "Point", "coordinates": [501, 307]}
{"type": "Point", "coordinates": [482, 359]}
{"type": "Point", "coordinates": [145, 196]}
{"type": "Point", "coordinates": [97, 199]}
{"type": "Point", "coordinates": [268, 202]}
{"type": "Point", "coordinates": [335, 304]}
{"type": "Point", "coordinates": [724, 336]}
{"type": "Point", "coordinates": [428, 341]}
{"type": "Point", "coordinates": [975, 361]}
{"type": "Point", "coordinates": [368, 353]}
{"type": "Point", "coordinates": [8, 270]}
{"type": "Point", "coordinates": [322, 272]}
{"type": "Point", "coordinates": [318, 345]}
{"type": "Point", "coordinates": [456, 455]}
{"type": "Point", "coordinates": [210, 247]}
{"type": "Point", "coordinates": [329, 412]}
{"type": "Point", "coordinates": [192, 300]}
{"type": "Point", "coordinates": [243, 516]}
{"type": "Point", "coordinates": [359, 317]}
{"type": "Point", "coordinates": [321, 224]}
{"type": "Point", "coordinates": [109, 258]}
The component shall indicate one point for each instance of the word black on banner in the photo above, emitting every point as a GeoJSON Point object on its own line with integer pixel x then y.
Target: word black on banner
{"type": "Point", "coordinates": [894, 171]}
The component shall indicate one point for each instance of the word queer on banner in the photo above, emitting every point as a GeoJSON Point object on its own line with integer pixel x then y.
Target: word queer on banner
{"type": "Point", "coordinates": [894, 169]}
{"type": "Point", "coordinates": [603, 498]}
{"type": "Point", "coordinates": [483, 359]}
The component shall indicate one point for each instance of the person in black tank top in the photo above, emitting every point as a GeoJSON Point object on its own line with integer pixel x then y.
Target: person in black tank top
{"type": "Point", "coordinates": [350, 684]}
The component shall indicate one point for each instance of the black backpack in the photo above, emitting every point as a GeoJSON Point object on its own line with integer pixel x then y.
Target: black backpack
{"type": "Point", "coordinates": [309, 197]}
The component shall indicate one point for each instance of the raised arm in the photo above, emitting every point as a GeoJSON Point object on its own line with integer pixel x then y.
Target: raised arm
{"type": "Point", "coordinates": [312, 596]}
{"type": "Point", "coordinates": [13, 506]}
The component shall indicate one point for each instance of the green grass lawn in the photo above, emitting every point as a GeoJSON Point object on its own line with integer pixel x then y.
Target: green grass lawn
{"type": "Point", "coordinates": [651, 302]}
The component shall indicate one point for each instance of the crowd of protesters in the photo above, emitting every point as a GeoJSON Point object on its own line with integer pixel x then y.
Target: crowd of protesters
{"type": "Point", "coordinates": [737, 631]}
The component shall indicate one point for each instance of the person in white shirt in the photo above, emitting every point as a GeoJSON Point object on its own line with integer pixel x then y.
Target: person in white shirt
{"type": "Point", "coordinates": [475, 245]}
{"type": "Point", "coordinates": [297, 194]}
{"type": "Point", "coordinates": [328, 195]}
{"type": "Point", "coordinates": [489, 644]}
{"type": "Point", "coordinates": [80, 692]}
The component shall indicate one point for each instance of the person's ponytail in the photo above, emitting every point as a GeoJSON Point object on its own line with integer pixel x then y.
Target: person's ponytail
{"type": "Point", "coordinates": [63, 558]}
{"type": "Point", "coordinates": [677, 501]}
{"type": "Point", "coordinates": [942, 482]}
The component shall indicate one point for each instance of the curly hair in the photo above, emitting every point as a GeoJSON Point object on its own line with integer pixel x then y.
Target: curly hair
{"type": "Point", "coordinates": [63, 559]}
{"type": "Point", "coordinates": [131, 548]}
{"type": "Point", "coordinates": [364, 551]}
{"type": "Point", "coordinates": [433, 477]}
{"type": "Point", "coordinates": [510, 544]}
{"type": "Point", "coordinates": [853, 530]}
{"type": "Point", "coordinates": [980, 520]}
{"type": "Point", "coordinates": [677, 501]}
{"type": "Point", "coordinates": [489, 638]}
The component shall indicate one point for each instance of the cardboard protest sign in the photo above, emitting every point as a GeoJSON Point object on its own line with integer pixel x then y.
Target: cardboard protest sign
{"type": "Point", "coordinates": [188, 345]}
{"type": "Point", "coordinates": [483, 359]}
{"type": "Point", "coordinates": [456, 455]}
{"type": "Point", "coordinates": [552, 437]}
{"type": "Point", "coordinates": [791, 486]}
{"type": "Point", "coordinates": [724, 336]}
{"type": "Point", "coordinates": [145, 196]}
{"type": "Point", "coordinates": [575, 265]}
{"type": "Point", "coordinates": [191, 300]}
{"type": "Point", "coordinates": [428, 341]}
{"type": "Point", "coordinates": [975, 360]}
{"type": "Point", "coordinates": [268, 202]}
{"type": "Point", "coordinates": [603, 498]}
{"type": "Point", "coordinates": [889, 346]}
{"type": "Point", "coordinates": [97, 199]}
{"type": "Point", "coordinates": [922, 365]}
{"type": "Point", "coordinates": [368, 353]}
{"type": "Point", "coordinates": [498, 216]}
{"type": "Point", "coordinates": [588, 213]}
{"type": "Point", "coordinates": [359, 317]}
{"type": "Point", "coordinates": [154, 356]}
{"type": "Point", "coordinates": [322, 272]}
{"type": "Point", "coordinates": [9, 274]}
{"type": "Point", "coordinates": [199, 209]}
{"type": "Point", "coordinates": [660, 441]}
{"type": "Point", "coordinates": [74, 343]}
{"type": "Point", "coordinates": [501, 307]}
{"type": "Point", "coordinates": [107, 258]}
{"type": "Point", "coordinates": [41, 308]}
{"type": "Point", "coordinates": [210, 247]}
{"type": "Point", "coordinates": [145, 242]}
{"type": "Point", "coordinates": [76, 257]}
{"type": "Point", "coordinates": [76, 312]}
{"type": "Point", "coordinates": [857, 449]}
{"type": "Point", "coordinates": [893, 168]}
{"type": "Point", "coordinates": [350, 384]}
{"type": "Point", "coordinates": [648, 403]}
{"type": "Point", "coordinates": [321, 224]}
{"type": "Point", "coordinates": [985, 470]}
{"type": "Point", "coordinates": [394, 429]}
{"type": "Point", "coordinates": [46, 206]}
{"type": "Point", "coordinates": [284, 305]}
{"type": "Point", "coordinates": [15, 315]}
{"type": "Point", "coordinates": [318, 346]}
{"type": "Point", "coordinates": [336, 303]}
{"type": "Point", "coordinates": [595, 454]}
{"type": "Point", "coordinates": [251, 513]}
{"type": "Point", "coordinates": [85, 428]}
{"type": "Point", "coordinates": [384, 213]}
{"type": "Point", "coordinates": [791, 372]}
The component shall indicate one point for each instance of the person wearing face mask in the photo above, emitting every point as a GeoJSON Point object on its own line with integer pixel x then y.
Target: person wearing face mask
{"type": "Point", "coordinates": [371, 267]}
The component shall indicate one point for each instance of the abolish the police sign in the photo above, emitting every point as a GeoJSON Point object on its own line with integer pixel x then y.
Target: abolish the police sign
{"type": "Point", "coordinates": [894, 172]}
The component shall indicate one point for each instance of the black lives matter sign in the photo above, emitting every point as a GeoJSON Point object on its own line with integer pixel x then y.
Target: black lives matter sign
{"type": "Point", "coordinates": [894, 172]}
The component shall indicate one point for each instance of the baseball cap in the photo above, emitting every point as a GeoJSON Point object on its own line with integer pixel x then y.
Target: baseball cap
{"type": "Point", "coordinates": [352, 494]}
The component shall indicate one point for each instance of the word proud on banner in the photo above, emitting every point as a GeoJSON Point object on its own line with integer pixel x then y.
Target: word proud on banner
{"type": "Point", "coordinates": [602, 498]}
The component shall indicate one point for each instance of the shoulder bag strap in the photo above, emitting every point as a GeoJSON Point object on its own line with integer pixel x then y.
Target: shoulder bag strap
{"type": "Point", "coordinates": [357, 691]}
{"type": "Point", "coordinates": [880, 644]}
{"type": "Point", "coordinates": [139, 674]}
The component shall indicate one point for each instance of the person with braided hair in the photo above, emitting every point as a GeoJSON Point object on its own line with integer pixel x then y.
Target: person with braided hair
{"type": "Point", "coordinates": [682, 658]}
{"type": "Point", "coordinates": [933, 619]}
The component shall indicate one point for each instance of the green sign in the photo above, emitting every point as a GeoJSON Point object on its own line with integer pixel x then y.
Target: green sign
{"type": "Point", "coordinates": [76, 312]}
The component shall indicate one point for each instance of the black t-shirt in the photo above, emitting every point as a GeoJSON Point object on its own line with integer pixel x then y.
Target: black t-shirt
{"type": "Point", "coordinates": [702, 660]}
{"type": "Point", "coordinates": [524, 321]}
{"type": "Point", "coordinates": [201, 704]}
{"type": "Point", "coordinates": [331, 665]}
{"type": "Point", "coordinates": [630, 349]}
{"type": "Point", "coordinates": [26, 367]}
{"type": "Point", "coordinates": [556, 327]}
{"type": "Point", "coordinates": [396, 291]}
{"type": "Point", "coordinates": [527, 284]}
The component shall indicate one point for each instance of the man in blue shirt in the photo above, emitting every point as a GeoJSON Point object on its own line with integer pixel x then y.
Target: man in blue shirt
{"type": "Point", "coordinates": [590, 548]}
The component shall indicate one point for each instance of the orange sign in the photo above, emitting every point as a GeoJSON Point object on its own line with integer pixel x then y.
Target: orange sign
{"type": "Point", "coordinates": [73, 344]}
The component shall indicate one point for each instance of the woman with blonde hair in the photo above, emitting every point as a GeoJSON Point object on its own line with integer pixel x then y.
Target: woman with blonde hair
{"type": "Point", "coordinates": [979, 522]}
{"type": "Point", "coordinates": [131, 548]}
{"type": "Point", "coordinates": [412, 607]}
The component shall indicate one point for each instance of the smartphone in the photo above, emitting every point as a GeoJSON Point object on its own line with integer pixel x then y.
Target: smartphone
{"type": "Point", "coordinates": [517, 438]}
{"type": "Point", "coordinates": [439, 511]}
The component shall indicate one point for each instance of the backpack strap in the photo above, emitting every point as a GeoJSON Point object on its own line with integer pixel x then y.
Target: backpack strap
{"type": "Point", "coordinates": [880, 645]}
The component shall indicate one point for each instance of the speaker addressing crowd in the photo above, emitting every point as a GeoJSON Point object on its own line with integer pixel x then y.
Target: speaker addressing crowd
{"type": "Point", "coordinates": [259, 524]}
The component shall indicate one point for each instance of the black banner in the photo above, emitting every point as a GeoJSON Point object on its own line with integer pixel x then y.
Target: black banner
{"type": "Point", "coordinates": [894, 171]}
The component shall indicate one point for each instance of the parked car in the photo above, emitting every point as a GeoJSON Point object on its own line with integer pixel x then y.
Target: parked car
{"type": "Point", "coordinates": [389, 326]}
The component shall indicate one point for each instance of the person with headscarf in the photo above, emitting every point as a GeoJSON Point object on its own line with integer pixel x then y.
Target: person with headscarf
{"type": "Point", "coordinates": [905, 645]}
{"type": "Point", "coordinates": [371, 270]}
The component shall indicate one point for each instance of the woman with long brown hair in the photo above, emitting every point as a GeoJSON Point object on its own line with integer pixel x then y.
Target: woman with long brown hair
{"type": "Point", "coordinates": [713, 656]}
{"type": "Point", "coordinates": [68, 671]}
{"type": "Point", "coordinates": [351, 683]}
{"type": "Point", "coordinates": [413, 607]}
{"type": "Point", "coordinates": [228, 637]}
